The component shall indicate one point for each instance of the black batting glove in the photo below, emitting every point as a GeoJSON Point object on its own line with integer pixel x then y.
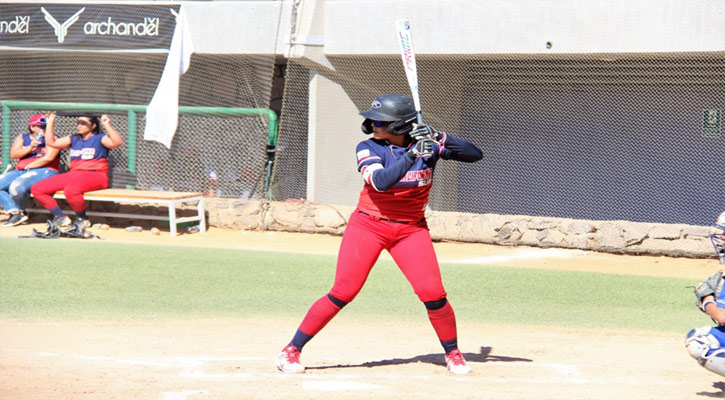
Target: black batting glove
{"type": "Point", "coordinates": [421, 148]}
{"type": "Point", "coordinates": [423, 131]}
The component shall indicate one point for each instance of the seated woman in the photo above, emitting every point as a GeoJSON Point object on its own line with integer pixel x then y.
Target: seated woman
{"type": "Point", "coordinates": [88, 168]}
{"type": "Point", "coordinates": [35, 163]}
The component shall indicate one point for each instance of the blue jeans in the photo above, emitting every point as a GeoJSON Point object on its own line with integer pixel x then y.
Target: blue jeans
{"type": "Point", "coordinates": [15, 187]}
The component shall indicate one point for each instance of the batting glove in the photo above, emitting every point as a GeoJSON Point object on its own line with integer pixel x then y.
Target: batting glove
{"type": "Point", "coordinates": [421, 148]}
{"type": "Point", "coordinates": [423, 132]}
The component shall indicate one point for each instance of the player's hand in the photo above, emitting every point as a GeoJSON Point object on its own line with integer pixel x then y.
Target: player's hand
{"type": "Point", "coordinates": [105, 120]}
{"type": "Point", "coordinates": [422, 148]}
{"type": "Point", "coordinates": [50, 117]}
{"type": "Point", "coordinates": [34, 142]}
{"type": "Point", "coordinates": [423, 131]}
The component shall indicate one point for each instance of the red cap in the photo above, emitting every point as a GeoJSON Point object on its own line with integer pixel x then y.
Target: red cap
{"type": "Point", "coordinates": [37, 119]}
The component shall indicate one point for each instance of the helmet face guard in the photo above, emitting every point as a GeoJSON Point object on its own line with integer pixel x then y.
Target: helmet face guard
{"type": "Point", "coordinates": [718, 238]}
{"type": "Point", "coordinates": [396, 109]}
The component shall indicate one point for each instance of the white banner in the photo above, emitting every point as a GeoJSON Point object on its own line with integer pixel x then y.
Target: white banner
{"type": "Point", "coordinates": [162, 115]}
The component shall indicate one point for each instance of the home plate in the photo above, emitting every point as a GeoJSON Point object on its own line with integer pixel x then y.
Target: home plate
{"type": "Point", "coordinates": [331, 386]}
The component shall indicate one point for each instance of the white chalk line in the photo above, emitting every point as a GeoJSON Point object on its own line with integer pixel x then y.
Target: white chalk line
{"type": "Point", "coordinates": [524, 254]}
{"type": "Point", "coordinates": [192, 368]}
{"type": "Point", "coordinates": [184, 394]}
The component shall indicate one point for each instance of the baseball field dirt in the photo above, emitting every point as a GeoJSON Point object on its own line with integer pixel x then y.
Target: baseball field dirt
{"type": "Point", "coordinates": [233, 358]}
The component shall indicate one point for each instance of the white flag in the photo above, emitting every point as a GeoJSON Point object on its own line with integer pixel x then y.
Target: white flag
{"type": "Point", "coordinates": [162, 114]}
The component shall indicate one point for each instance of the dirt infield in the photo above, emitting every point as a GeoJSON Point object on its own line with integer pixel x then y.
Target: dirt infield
{"type": "Point", "coordinates": [233, 358]}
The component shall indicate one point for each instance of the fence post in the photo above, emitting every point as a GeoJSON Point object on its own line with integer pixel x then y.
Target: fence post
{"type": "Point", "coordinates": [6, 136]}
{"type": "Point", "coordinates": [131, 146]}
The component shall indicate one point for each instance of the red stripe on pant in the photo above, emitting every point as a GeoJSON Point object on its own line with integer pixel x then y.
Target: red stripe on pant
{"type": "Point", "coordinates": [73, 184]}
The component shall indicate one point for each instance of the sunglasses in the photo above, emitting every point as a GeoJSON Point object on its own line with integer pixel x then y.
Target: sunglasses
{"type": "Point", "coordinates": [380, 123]}
{"type": "Point", "coordinates": [84, 123]}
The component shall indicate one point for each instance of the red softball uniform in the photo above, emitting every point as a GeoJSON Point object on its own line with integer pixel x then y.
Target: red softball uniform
{"type": "Point", "coordinates": [37, 152]}
{"type": "Point", "coordinates": [393, 219]}
{"type": "Point", "coordinates": [88, 172]}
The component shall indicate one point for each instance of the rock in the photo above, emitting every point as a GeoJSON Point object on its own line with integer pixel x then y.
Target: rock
{"type": "Point", "coordinates": [670, 232]}
{"type": "Point", "coordinates": [328, 217]}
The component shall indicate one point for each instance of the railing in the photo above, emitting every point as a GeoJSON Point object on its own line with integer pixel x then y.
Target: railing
{"type": "Point", "coordinates": [131, 110]}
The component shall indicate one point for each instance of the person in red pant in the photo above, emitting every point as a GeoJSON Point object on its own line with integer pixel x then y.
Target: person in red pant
{"type": "Point", "coordinates": [397, 166]}
{"type": "Point", "coordinates": [88, 168]}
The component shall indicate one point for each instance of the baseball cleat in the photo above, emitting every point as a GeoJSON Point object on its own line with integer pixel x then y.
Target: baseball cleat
{"type": "Point", "coordinates": [456, 364]}
{"type": "Point", "coordinates": [61, 221]}
{"type": "Point", "coordinates": [289, 361]}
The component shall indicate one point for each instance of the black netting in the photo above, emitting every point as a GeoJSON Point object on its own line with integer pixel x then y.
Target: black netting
{"type": "Point", "coordinates": [222, 155]}
{"type": "Point", "coordinates": [600, 137]}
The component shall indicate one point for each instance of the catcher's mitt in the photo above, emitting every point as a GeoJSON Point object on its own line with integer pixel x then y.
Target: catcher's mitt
{"type": "Point", "coordinates": [710, 286]}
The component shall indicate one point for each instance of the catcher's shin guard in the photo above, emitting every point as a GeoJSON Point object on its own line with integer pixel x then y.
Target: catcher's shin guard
{"type": "Point", "coordinates": [51, 231]}
{"type": "Point", "coordinates": [706, 349]}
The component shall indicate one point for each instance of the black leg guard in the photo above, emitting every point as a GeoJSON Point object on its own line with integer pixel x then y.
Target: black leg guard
{"type": "Point", "coordinates": [336, 301]}
{"type": "Point", "coordinates": [434, 305]}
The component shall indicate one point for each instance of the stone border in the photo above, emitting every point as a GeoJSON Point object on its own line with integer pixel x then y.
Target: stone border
{"type": "Point", "coordinates": [622, 237]}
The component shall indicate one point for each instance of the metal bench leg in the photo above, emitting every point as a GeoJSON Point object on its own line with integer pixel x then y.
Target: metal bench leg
{"type": "Point", "coordinates": [202, 218]}
{"type": "Point", "coordinates": [172, 218]}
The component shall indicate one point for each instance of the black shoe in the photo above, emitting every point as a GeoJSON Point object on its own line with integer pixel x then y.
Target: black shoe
{"type": "Point", "coordinates": [61, 221]}
{"type": "Point", "coordinates": [15, 219]}
{"type": "Point", "coordinates": [82, 223]}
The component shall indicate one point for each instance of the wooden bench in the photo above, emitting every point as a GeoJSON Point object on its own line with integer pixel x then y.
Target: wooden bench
{"type": "Point", "coordinates": [170, 199]}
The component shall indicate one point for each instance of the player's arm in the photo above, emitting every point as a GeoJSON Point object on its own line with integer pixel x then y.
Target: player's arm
{"type": "Point", "coordinates": [47, 158]}
{"type": "Point", "coordinates": [50, 139]}
{"type": "Point", "coordinates": [112, 139]}
{"type": "Point", "coordinates": [451, 147]}
{"type": "Point", "coordinates": [18, 151]}
{"type": "Point", "coordinates": [713, 310]}
{"type": "Point", "coordinates": [374, 173]}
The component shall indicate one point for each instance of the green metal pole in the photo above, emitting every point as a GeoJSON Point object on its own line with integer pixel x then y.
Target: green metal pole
{"type": "Point", "coordinates": [131, 146]}
{"type": "Point", "coordinates": [271, 152]}
{"type": "Point", "coordinates": [6, 136]}
{"type": "Point", "coordinates": [132, 109]}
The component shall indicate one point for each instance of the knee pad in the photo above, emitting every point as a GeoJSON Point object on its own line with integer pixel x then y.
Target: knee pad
{"type": "Point", "coordinates": [336, 301]}
{"type": "Point", "coordinates": [706, 349]}
{"type": "Point", "coordinates": [435, 305]}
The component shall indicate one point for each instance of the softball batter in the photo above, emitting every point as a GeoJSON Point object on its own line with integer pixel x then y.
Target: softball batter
{"type": "Point", "coordinates": [397, 166]}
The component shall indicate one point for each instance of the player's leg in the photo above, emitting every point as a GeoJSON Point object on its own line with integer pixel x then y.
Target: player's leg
{"type": "Point", "coordinates": [19, 192]}
{"type": "Point", "coordinates": [6, 179]}
{"type": "Point", "coordinates": [707, 346]}
{"type": "Point", "coordinates": [43, 192]}
{"type": "Point", "coordinates": [84, 181]}
{"type": "Point", "coordinates": [360, 248]}
{"type": "Point", "coordinates": [415, 255]}
{"type": "Point", "coordinates": [20, 189]}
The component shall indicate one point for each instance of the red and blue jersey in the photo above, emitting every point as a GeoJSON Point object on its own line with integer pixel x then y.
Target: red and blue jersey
{"type": "Point", "coordinates": [89, 154]}
{"type": "Point", "coordinates": [407, 198]}
{"type": "Point", "coordinates": [396, 186]}
{"type": "Point", "coordinates": [35, 153]}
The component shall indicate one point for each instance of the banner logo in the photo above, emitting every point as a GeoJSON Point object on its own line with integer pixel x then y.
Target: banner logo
{"type": "Point", "coordinates": [61, 30]}
{"type": "Point", "coordinates": [20, 24]}
{"type": "Point", "coordinates": [149, 27]}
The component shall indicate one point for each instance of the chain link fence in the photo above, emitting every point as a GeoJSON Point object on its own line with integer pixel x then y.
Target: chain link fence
{"type": "Point", "coordinates": [222, 155]}
{"type": "Point", "coordinates": [603, 137]}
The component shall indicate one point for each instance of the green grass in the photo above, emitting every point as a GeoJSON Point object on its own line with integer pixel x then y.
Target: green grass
{"type": "Point", "coordinates": [95, 279]}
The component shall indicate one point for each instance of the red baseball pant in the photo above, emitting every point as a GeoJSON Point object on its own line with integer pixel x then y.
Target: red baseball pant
{"type": "Point", "coordinates": [73, 184]}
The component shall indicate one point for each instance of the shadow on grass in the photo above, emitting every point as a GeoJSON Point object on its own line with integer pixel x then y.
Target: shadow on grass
{"type": "Point", "coordinates": [436, 359]}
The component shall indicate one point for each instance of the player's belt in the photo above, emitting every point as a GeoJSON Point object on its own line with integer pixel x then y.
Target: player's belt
{"type": "Point", "coordinates": [397, 221]}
